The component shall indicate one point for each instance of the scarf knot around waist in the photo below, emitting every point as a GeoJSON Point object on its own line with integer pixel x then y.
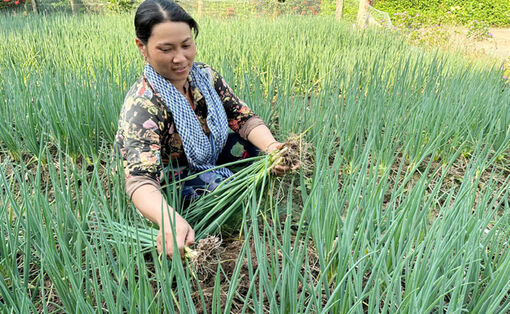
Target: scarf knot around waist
{"type": "Point", "coordinates": [201, 150]}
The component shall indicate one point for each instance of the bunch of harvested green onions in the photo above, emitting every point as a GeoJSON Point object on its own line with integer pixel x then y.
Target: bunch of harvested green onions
{"type": "Point", "coordinates": [208, 213]}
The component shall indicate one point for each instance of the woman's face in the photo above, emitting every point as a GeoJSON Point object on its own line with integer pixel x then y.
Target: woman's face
{"type": "Point", "coordinates": [170, 50]}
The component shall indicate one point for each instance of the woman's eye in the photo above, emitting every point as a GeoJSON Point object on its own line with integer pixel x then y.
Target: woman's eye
{"type": "Point", "coordinates": [186, 46]}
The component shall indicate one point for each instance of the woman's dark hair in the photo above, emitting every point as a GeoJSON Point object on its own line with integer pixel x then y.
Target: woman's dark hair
{"type": "Point", "coordinates": [153, 12]}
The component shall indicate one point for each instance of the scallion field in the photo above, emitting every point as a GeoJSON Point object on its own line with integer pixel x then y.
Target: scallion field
{"type": "Point", "coordinates": [403, 208]}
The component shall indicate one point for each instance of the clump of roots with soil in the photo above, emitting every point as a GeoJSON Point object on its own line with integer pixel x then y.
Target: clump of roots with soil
{"type": "Point", "coordinates": [295, 152]}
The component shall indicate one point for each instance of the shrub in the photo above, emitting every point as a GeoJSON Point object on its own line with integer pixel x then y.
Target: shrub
{"type": "Point", "coordinates": [494, 12]}
{"type": "Point", "coordinates": [11, 4]}
{"type": "Point", "coordinates": [120, 5]}
{"type": "Point", "coordinates": [506, 71]}
{"type": "Point", "coordinates": [479, 30]}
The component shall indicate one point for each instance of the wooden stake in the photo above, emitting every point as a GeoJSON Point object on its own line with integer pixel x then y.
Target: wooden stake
{"type": "Point", "coordinates": [339, 9]}
{"type": "Point", "coordinates": [34, 6]}
{"type": "Point", "coordinates": [73, 8]}
{"type": "Point", "coordinates": [363, 13]}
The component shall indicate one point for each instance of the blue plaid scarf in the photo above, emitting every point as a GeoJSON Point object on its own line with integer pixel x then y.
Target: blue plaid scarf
{"type": "Point", "coordinates": [201, 151]}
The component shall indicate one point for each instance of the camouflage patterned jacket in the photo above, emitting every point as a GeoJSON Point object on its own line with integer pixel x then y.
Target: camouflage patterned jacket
{"type": "Point", "coordinates": [146, 137]}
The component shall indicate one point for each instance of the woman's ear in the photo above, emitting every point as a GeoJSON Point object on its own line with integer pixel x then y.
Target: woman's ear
{"type": "Point", "coordinates": [141, 46]}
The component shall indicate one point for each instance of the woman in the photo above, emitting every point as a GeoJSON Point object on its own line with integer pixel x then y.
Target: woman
{"type": "Point", "coordinates": [177, 114]}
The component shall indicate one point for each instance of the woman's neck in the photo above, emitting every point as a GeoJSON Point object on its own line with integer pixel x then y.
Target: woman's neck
{"type": "Point", "coordinates": [182, 87]}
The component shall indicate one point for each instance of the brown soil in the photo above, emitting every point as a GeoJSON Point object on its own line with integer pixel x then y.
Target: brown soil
{"type": "Point", "coordinates": [213, 252]}
{"type": "Point", "coordinates": [447, 177]}
{"type": "Point", "coordinates": [225, 255]}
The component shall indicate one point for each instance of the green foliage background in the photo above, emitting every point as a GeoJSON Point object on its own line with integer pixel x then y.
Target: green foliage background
{"type": "Point", "coordinates": [11, 5]}
{"type": "Point", "coordinates": [494, 12]}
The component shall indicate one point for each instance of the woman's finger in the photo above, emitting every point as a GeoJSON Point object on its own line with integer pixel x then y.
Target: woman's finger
{"type": "Point", "coordinates": [281, 170]}
{"type": "Point", "coordinates": [190, 237]}
{"type": "Point", "coordinates": [159, 247]}
{"type": "Point", "coordinates": [180, 245]}
{"type": "Point", "coordinates": [276, 171]}
{"type": "Point", "coordinates": [169, 245]}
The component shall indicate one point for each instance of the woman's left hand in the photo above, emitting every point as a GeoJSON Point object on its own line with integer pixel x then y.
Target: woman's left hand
{"type": "Point", "coordinates": [262, 138]}
{"type": "Point", "coordinates": [280, 170]}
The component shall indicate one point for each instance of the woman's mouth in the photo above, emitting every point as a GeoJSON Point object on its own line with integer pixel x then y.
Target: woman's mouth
{"type": "Point", "coordinates": [180, 70]}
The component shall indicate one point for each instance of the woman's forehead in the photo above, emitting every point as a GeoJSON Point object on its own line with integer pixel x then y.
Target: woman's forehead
{"type": "Point", "coordinates": [170, 33]}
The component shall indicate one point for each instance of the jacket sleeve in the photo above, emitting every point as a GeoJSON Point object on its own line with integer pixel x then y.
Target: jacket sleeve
{"type": "Point", "coordinates": [140, 126]}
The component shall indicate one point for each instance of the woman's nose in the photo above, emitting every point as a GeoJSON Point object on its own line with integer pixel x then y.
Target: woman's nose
{"type": "Point", "coordinates": [179, 57]}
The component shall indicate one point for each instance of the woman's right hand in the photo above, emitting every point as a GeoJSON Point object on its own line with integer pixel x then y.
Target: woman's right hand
{"type": "Point", "coordinates": [185, 236]}
{"type": "Point", "coordinates": [149, 201]}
